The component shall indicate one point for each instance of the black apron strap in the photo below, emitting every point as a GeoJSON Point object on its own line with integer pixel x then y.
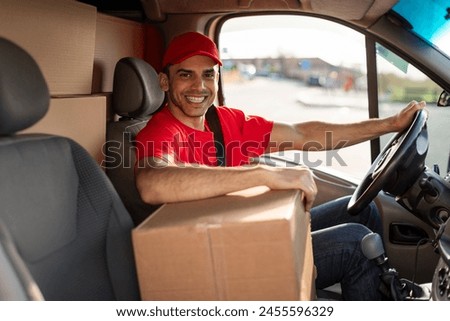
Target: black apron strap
{"type": "Point", "coordinates": [214, 125]}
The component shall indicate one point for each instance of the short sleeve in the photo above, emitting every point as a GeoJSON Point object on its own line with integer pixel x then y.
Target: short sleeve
{"type": "Point", "coordinates": [245, 136]}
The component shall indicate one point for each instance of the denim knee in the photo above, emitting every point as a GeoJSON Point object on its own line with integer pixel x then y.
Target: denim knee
{"type": "Point", "coordinates": [371, 218]}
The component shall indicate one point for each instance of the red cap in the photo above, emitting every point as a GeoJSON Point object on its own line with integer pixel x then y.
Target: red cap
{"type": "Point", "coordinates": [190, 44]}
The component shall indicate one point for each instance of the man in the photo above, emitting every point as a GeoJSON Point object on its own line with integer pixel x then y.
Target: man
{"type": "Point", "coordinates": [177, 160]}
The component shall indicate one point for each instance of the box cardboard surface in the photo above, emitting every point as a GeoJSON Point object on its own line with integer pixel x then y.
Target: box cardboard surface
{"type": "Point", "coordinates": [250, 245]}
{"type": "Point", "coordinates": [79, 118]}
{"type": "Point", "coordinates": [115, 38]}
{"type": "Point", "coordinates": [59, 35]}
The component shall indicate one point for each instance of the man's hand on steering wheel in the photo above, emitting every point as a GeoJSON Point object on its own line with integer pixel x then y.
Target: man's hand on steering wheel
{"type": "Point", "coordinates": [404, 117]}
{"type": "Point", "coordinates": [401, 160]}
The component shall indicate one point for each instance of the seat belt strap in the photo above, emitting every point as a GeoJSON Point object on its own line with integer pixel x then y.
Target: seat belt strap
{"type": "Point", "coordinates": [214, 125]}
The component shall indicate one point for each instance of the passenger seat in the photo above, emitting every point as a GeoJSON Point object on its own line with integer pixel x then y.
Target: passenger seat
{"type": "Point", "coordinates": [136, 96]}
{"type": "Point", "coordinates": [17, 283]}
{"type": "Point", "coordinates": [61, 212]}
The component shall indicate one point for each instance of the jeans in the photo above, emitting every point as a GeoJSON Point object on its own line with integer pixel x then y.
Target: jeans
{"type": "Point", "coordinates": [336, 238]}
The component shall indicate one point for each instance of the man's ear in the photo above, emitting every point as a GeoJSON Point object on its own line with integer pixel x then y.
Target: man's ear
{"type": "Point", "coordinates": [163, 81]}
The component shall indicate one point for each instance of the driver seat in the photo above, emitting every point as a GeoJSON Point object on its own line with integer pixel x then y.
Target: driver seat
{"type": "Point", "coordinates": [136, 96]}
{"type": "Point", "coordinates": [64, 218]}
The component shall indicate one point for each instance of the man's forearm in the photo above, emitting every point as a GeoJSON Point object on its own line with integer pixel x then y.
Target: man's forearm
{"type": "Point", "coordinates": [174, 184]}
{"type": "Point", "coordinates": [318, 135]}
{"type": "Point", "coordinates": [342, 135]}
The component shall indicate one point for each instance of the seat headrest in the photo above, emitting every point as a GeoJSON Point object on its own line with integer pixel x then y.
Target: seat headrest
{"type": "Point", "coordinates": [136, 92]}
{"type": "Point", "coordinates": [24, 95]}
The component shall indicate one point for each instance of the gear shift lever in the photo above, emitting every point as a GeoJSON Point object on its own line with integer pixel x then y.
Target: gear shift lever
{"type": "Point", "coordinates": [372, 248]}
{"type": "Point", "coordinates": [391, 286]}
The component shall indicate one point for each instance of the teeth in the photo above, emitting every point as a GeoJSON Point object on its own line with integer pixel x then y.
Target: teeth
{"type": "Point", "coordinates": [196, 100]}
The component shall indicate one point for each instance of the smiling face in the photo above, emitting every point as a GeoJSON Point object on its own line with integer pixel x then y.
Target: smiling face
{"type": "Point", "coordinates": [192, 87]}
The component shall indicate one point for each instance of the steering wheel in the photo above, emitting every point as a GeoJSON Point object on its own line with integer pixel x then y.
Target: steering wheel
{"type": "Point", "coordinates": [397, 167]}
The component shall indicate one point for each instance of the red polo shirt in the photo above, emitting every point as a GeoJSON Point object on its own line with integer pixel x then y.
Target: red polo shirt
{"type": "Point", "coordinates": [244, 137]}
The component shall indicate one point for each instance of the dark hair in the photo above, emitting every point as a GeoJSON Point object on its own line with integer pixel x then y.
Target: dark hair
{"type": "Point", "coordinates": [165, 70]}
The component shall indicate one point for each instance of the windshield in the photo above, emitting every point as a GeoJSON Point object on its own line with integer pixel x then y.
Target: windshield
{"type": "Point", "coordinates": [429, 19]}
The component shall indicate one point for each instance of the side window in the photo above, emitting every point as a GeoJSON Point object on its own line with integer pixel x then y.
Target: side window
{"type": "Point", "coordinates": [295, 69]}
{"type": "Point", "coordinates": [400, 82]}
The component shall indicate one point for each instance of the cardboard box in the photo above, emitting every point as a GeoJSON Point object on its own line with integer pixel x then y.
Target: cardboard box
{"type": "Point", "coordinates": [250, 245]}
{"type": "Point", "coordinates": [115, 38]}
{"type": "Point", "coordinates": [80, 118]}
{"type": "Point", "coordinates": [59, 35]}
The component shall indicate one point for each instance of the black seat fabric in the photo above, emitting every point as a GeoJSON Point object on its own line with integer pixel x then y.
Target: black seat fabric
{"type": "Point", "coordinates": [17, 282]}
{"type": "Point", "coordinates": [136, 96]}
{"type": "Point", "coordinates": [65, 218]}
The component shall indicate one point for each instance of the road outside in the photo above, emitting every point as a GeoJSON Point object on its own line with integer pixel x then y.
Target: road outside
{"type": "Point", "coordinates": [291, 101]}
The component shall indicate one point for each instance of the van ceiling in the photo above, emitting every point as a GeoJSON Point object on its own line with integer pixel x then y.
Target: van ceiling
{"type": "Point", "coordinates": [365, 12]}
{"type": "Point", "coordinates": [128, 9]}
